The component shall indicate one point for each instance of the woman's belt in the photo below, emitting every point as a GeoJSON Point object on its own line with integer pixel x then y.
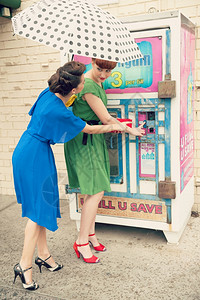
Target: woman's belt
{"type": "Point", "coordinates": [85, 135]}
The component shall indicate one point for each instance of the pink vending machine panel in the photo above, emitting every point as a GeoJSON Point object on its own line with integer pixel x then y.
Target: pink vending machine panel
{"type": "Point", "coordinates": [147, 150]}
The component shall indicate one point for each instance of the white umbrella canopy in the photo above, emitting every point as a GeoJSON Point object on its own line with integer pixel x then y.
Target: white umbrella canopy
{"type": "Point", "coordinates": [77, 27]}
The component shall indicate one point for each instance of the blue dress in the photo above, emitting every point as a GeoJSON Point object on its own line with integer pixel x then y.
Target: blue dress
{"type": "Point", "coordinates": [34, 170]}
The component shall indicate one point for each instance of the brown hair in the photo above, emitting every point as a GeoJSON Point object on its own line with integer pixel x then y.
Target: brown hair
{"type": "Point", "coordinates": [66, 78]}
{"type": "Point", "coordinates": [104, 64]}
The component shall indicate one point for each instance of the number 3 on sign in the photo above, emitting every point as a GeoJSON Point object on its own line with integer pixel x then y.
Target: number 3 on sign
{"type": "Point", "coordinates": [117, 78]}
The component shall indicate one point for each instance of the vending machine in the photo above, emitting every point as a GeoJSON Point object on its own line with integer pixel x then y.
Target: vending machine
{"type": "Point", "coordinates": [152, 177]}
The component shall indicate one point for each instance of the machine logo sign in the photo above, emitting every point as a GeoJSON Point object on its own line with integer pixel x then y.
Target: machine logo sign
{"type": "Point", "coordinates": [131, 208]}
{"type": "Point", "coordinates": [140, 75]}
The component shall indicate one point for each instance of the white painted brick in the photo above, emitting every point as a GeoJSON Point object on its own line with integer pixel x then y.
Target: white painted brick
{"type": "Point", "coordinates": [6, 27]}
{"type": "Point", "coordinates": [198, 36]}
{"type": "Point", "coordinates": [197, 144]}
{"type": "Point", "coordinates": [10, 191]}
{"type": "Point", "coordinates": [198, 134]}
{"type": "Point", "coordinates": [9, 177]}
{"type": "Point", "coordinates": [195, 206]}
{"type": "Point", "coordinates": [113, 10]}
{"type": "Point", "coordinates": [2, 177]}
{"type": "Point", "coordinates": [15, 117]}
{"type": "Point", "coordinates": [6, 156]}
{"type": "Point", "coordinates": [42, 84]}
{"type": "Point", "coordinates": [6, 140]}
{"type": "Point", "coordinates": [52, 67]}
{"type": "Point", "coordinates": [48, 50]}
{"type": "Point", "coordinates": [18, 78]}
{"type": "Point", "coordinates": [130, 2]}
{"type": "Point", "coordinates": [2, 45]}
{"type": "Point", "coordinates": [2, 117]}
{"type": "Point", "coordinates": [6, 125]}
{"type": "Point", "coordinates": [17, 86]}
{"type": "Point", "coordinates": [131, 9]}
{"type": "Point", "coordinates": [166, 5]}
{"type": "Point", "coordinates": [5, 110]}
{"type": "Point", "coordinates": [198, 74]}
{"type": "Point", "coordinates": [35, 93]}
{"type": "Point", "coordinates": [190, 11]}
{"type": "Point", "coordinates": [197, 43]}
{"type": "Point", "coordinates": [59, 154]}
{"type": "Point", "coordinates": [59, 164]}
{"type": "Point", "coordinates": [195, 20]}
{"type": "Point", "coordinates": [30, 68]}
{"type": "Point", "coordinates": [198, 54]}
{"type": "Point", "coordinates": [14, 44]}
{"type": "Point", "coordinates": [11, 101]}
{"type": "Point", "coordinates": [20, 110]}
{"type": "Point", "coordinates": [3, 191]}
{"type": "Point", "coordinates": [197, 103]}
{"type": "Point", "coordinates": [37, 76]}
{"type": "Point", "coordinates": [19, 94]}
{"type": "Point", "coordinates": [198, 115]}
{"type": "Point", "coordinates": [198, 192]}
{"type": "Point", "coordinates": [8, 184]}
{"type": "Point", "coordinates": [10, 69]}
{"type": "Point", "coordinates": [197, 125]}
{"type": "Point", "coordinates": [20, 125]}
{"type": "Point", "coordinates": [8, 163]}
{"type": "Point", "coordinates": [7, 36]}
{"type": "Point", "coordinates": [9, 53]}
{"type": "Point", "coordinates": [185, 3]}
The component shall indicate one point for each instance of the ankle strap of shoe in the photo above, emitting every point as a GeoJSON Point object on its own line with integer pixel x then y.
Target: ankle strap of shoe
{"type": "Point", "coordinates": [27, 269]}
{"type": "Point", "coordinates": [92, 234]}
{"type": "Point", "coordinates": [81, 245]}
{"type": "Point", "coordinates": [47, 258]}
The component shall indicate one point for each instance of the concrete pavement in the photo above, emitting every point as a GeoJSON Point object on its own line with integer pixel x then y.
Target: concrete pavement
{"type": "Point", "coordinates": [138, 263]}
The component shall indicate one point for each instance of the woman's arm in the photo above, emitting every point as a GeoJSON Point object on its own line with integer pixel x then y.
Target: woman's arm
{"type": "Point", "coordinates": [95, 129]}
{"type": "Point", "coordinates": [102, 113]}
{"type": "Point", "coordinates": [99, 109]}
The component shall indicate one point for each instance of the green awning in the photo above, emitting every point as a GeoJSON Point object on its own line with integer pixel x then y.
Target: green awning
{"type": "Point", "coordinates": [11, 3]}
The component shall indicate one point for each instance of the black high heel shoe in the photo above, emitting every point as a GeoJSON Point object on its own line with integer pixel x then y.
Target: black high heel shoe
{"type": "Point", "coordinates": [19, 272]}
{"type": "Point", "coordinates": [40, 262]}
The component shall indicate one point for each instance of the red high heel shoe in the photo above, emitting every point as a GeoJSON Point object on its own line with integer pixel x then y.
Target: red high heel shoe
{"type": "Point", "coordinates": [100, 248]}
{"type": "Point", "coordinates": [91, 260]}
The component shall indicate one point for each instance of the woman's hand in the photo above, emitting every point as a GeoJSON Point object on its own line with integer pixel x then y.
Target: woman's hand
{"type": "Point", "coordinates": [137, 131]}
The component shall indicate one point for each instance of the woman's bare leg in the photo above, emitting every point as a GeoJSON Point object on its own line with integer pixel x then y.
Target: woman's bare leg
{"type": "Point", "coordinates": [43, 251]}
{"type": "Point", "coordinates": [32, 231]}
{"type": "Point", "coordinates": [88, 216]}
{"type": "Point", "coordinates": [93, 239]}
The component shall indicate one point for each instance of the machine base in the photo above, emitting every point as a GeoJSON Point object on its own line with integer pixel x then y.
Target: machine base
{"type": "Point", "coordinates": [173, 237]}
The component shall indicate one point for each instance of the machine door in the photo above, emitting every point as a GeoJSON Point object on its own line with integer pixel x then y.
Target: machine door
{"type": "Point", "coordinates": [140, 163]}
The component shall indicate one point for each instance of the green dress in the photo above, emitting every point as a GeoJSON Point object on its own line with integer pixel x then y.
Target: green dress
{"type": "Point", "coordinates": [88, 165]}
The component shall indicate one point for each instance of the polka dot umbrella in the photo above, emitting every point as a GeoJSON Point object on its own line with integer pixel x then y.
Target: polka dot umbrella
{"type": "Point", "coordinates": [77, 27]}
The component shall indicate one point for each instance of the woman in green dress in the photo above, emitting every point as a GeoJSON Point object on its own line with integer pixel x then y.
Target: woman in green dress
{"type": "Point", "coordinates": [87, 157]}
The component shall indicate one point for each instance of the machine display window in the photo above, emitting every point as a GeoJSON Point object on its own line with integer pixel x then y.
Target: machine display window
{"type": "Point", "coordinates": [114, 145]}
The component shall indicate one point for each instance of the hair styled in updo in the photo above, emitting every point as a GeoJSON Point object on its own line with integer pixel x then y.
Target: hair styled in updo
{"type": "Point", "coordinates": [66, 78]}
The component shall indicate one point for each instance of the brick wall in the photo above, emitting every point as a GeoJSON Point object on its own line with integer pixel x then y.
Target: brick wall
{"type": "Point", "coordinates": [26, 66]}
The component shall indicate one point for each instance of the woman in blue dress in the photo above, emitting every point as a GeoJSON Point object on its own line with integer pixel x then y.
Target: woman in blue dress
{"type": "Point", "coordinates": [34, 170]}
